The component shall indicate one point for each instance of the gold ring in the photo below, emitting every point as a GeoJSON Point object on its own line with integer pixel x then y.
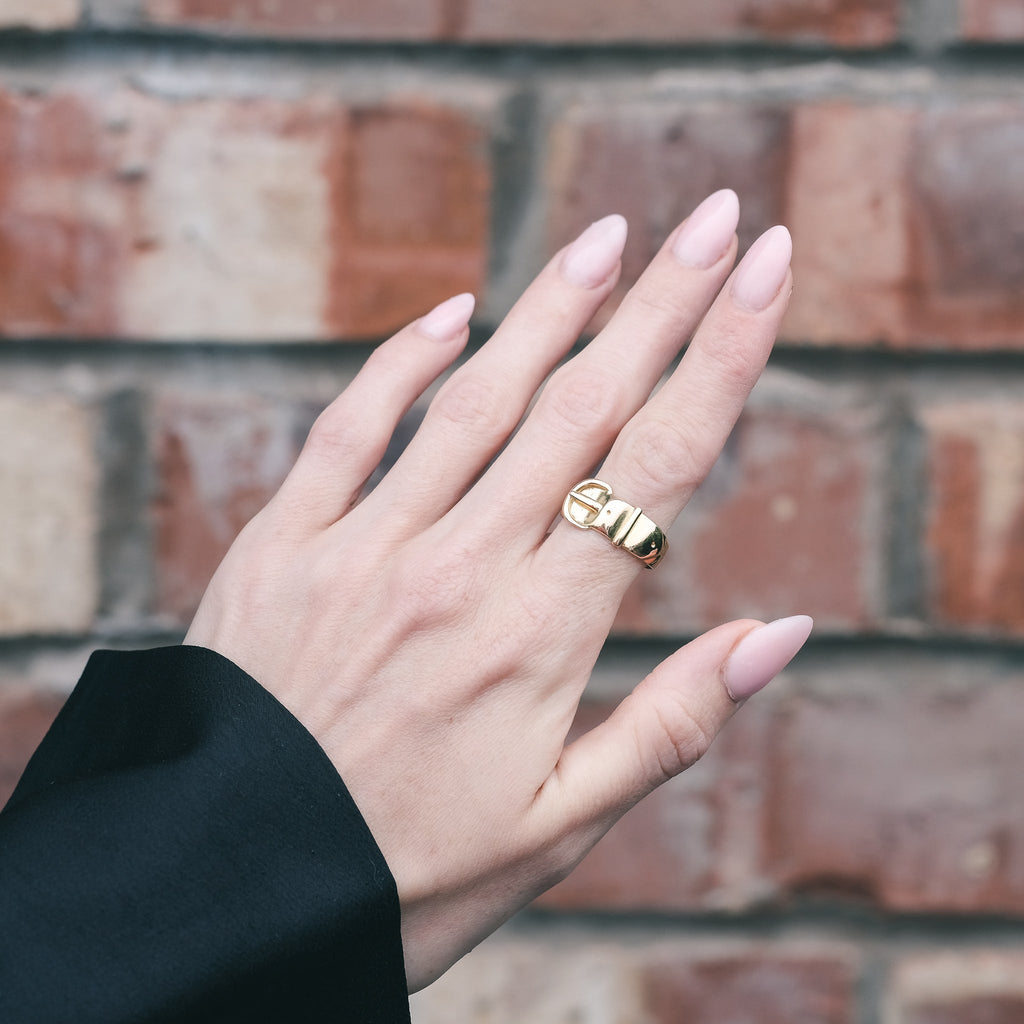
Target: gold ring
{"type": "Point", "coordinates": [590, 505]}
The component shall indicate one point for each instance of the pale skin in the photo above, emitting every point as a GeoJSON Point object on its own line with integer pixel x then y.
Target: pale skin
{"type": "Point", "coordinates": [435, 636]}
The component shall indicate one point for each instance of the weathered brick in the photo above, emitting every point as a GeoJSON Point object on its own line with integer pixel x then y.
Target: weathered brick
{"type": "Point", "coordinates": [228, 219]}
{"type": "Point", "coordinates": [49, 479]}
{"type": "Point", "coordinates": [567, 977]}
{"type": "Point", "coordinates": [956, 987]}
{"type": "Point", "coordinates": [41, 15]}
{"type": "Point", "coordinates": [841, 22]}
{"type": "Point", "coordinates": [752, 986]}
{"type": "Point", "coordinates": [966, 231]}
{"type": "Point", "coordinates": [899, 783]}
{"type": "Point", "coordinates": [907, 222]}
{"type": "Point", "coordinates": [58, 218]}
{"type": "Point", "coordinates": [975, 514]}
{"type": "Point", "coordinates": [334, 19]}
{"type": "Point", "coordinates": [220, 458]}
{"type": "Point", "coordinates": [847, 209]}
{"type": "Point", "coordinates": [694, 843]}
{"type": "Point", "coordinates": [25, 715]}
{"type": "Point", "coordinates": [906, 216]}
{"type": "Point", "coordinates": [998, 21]}
{"type": "Point", "coordinates": [409, 213]}
{"type": "Point", "coordinates": [510, 981]}
{"type": "Point", "coordinates": [788, 521]}
{"type": "Point", "coordinates": [131, 215]}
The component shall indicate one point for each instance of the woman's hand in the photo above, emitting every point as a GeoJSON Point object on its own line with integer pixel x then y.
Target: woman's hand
{"type": "Point", "coordinates": [436, 634]}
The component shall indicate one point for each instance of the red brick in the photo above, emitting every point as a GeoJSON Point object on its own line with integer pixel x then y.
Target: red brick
{"type": "Point", "coordinates": [410, 213]}
{"type": "Point", "coordinates": [654, 161]}
{"type": "Point", "coordinates": [59, 256]}
{"type": "Point", "coordinates": [554, 979]}
{"type": "Point", "coordinates": [975, 514]}
{"type": "Point", "coordinates": [899, 784]}
{"type": "Point", "coordinates": [41, 15]}
{"type": "Point", "coordinates": [967, 225]}
{"type": "Point", "coordinates": [25, 715]}
{"type": "Point", "coordinates": [755, 986]}
{"type": "Point", "coordinates": [220, 459]}
{"type": "Point", "coordinates": [905, 216]}
{"type": "Point", "coordinates": [129, 215]}
{"type": "Point", "coordinates": [846, 23]}
{"type": "Point", "coordinates": [958, 986]}
{"type": "Point", "coordinates": [323, 19]}
{"type": "Point", "coordinates": [841, 22]}
{"type": "Point", "coordinates": [694, 843]}
{"type": "Point", "coordinates": [847, 209]}
{"type": "Point", "coordinates": [998, 21]}
{"type": "Point", "coordinates": [906, 222]}
{"type": "Point", "coordinates": [788, 521]}
{"type": "Point", "coordinates": [509, 981]}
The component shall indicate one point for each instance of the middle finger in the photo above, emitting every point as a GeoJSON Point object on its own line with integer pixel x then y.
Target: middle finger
{"type": "Point", "coordinates": [590, 398]}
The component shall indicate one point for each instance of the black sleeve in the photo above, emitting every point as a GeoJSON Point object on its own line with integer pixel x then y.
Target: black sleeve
{"type": "Point", "coordinates": [181, 849]}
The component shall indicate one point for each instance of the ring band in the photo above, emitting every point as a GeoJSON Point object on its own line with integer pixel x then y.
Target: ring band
{"type": "Point", "coordinates": [591, 505]}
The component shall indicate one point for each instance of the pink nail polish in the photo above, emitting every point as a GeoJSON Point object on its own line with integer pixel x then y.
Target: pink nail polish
{"type": "Point", "coordinates": [707, 233]}
{"type": "Point", "coordinates": [592, 258]}
{"type": "Point", "coordinates": [763, 653]}
{"type": "Point", "coordinates": [762, 271]}
{"type": "Point", "coordinates": [450, 319]}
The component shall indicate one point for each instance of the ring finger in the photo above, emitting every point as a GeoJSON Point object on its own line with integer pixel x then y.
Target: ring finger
{"type": "Point", "coordinates": [664, 452]}
{"type": "Point", "coordinates": [587, 401]}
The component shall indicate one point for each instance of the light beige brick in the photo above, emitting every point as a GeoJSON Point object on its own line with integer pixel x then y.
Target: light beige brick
{"type": "Point", "coordinates": [232, 226]}
{"type": "Point", "coordinates": [43, 15]}
{"type": "Point", "coordinates": [49, 480]}
{"type": "Point", "coordinates": [979, 986]}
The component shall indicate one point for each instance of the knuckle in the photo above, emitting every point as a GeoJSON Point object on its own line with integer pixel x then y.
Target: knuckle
{"type": "Point", "coordinates": [682, 741]}
{"type": "Point", "coordinates": [583, 398]}
{"type": "Point", "coordinates": [343, 436]}
{"type": "Point", "coordinates": [541, 602]}
{"type": "Point", "coordinates": [474, 402]}
{"type": "Point", "coordinates": [434, 589]}
{"type": "Point", "coordinates": [663, 453]}
{"type": "Point", "coordinates": [664, 306]}
{"type": "Point", "coordinates": [732, 370]}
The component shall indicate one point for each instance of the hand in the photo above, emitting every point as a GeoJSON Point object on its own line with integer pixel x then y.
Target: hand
{"type": "Point", "coordinates": [436, 635]}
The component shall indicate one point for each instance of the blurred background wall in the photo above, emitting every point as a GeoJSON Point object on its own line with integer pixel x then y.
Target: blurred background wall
{"type": "Point", "coordinates": [210, 210]}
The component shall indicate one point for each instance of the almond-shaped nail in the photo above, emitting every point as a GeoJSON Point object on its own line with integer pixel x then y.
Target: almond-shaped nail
{"type": "Point", "coordinates": [763, 653]}
{"type": "Point", "coordinates": [762, 271]}
{"type": "Point", "coordinates": [448, 320]}
{"type": "Point", "coordinates": [707, 233]}
{"type": "Point", "coordinates": [592, 258]}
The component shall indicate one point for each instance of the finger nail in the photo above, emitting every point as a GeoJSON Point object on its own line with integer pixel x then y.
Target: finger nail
{"type": "Point", "coordinates": [707, 233]}
{"type": "Point", "coordinates": [590, 260]}
{"type": "Point", "coordinates": [450, 319]}
{"type": "Point", "coordinates": [763, 653]}
{"type": "Point", "coordinates": [762, 271]}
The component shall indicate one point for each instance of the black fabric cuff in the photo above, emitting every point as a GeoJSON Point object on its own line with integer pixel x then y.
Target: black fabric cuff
{"type": "Point", "coordinates": [181, 849]}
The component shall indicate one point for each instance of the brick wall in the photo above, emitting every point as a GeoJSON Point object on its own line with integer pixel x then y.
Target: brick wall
{"type": "Point", "coordinates": [209, 210]}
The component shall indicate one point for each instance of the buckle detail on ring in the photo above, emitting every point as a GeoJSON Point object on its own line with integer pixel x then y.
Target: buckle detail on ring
{"type": "Point", "coordinates": [591, 505]}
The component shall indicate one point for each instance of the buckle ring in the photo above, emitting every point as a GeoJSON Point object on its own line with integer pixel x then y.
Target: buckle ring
{"type": "Point", "coordinates": [592, 505]}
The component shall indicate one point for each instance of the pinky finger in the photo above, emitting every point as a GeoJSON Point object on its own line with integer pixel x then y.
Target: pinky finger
{"type": "Point", "coordinates": [351, 435]}
{"type": "Point", "coordinates": [665, 725]}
